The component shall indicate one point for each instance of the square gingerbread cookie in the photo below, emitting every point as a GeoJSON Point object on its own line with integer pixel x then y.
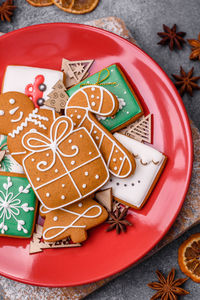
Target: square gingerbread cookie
{"type": "Point", "coordinates": [113, 79]}
{"type": "Point", "coordinates": [18, 206]}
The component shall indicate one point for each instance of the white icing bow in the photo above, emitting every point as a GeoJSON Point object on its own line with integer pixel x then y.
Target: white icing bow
{"type": "Point", "coordinates": [37, 142]}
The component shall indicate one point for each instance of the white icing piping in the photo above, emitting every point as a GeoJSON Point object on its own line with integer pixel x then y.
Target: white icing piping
{"type": "Point", "coordinates": [31, 118]}
{"type": "Point", "coordinates": [67, 172]}
{"type": "Point", "coordinates": [114, 144]}
{"type": "Point", "coordinates": [44, 143]}
{"type": "Point", "coordinates": [19, 119]}
{"type": "Point", "coordinates": [136, 156]}
{"type": "Point", "coordinates": [13, 111]}
{"type": "Point", "coordinates": [79, 216]}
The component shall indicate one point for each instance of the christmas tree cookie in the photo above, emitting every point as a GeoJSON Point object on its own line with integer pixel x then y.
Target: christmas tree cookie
{"type": "Point", "coordinates": [18, 206]}
{"type": "Point", "coordinates": [57, 99]}
{"type": "Point", "coordinates": [75, 71]}
{"type": "Point", "coordinates": [113, 79]}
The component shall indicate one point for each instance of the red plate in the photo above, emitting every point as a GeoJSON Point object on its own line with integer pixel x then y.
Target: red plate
{"type": "Point", "coordinates": [104, 254]}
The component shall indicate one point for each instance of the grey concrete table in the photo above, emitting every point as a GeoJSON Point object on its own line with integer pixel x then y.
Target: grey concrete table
{"type": "Point", "coordinates": [143, 19]}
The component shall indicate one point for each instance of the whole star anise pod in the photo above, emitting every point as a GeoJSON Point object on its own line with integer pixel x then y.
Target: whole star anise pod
{"type": "Point", "coordinates": [171, 37]}
{"type": "Point", "coordinates": [117, 220]}
{"type": "Point", "coordinates": [6, 10]}
{"type": "Point", "coordinates": [168, 289]}
{"type": "Point", "coordinates": [186, 82]}
{"type": "Point", "coordinates": [195, 51]}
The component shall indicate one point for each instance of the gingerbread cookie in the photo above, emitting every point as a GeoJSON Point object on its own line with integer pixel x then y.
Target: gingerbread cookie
{"type": "Point", "coordinates": [18, 206]}
{"type": "Point", "coordinates": [72, 221]}
{"type": "Point", "coordinates": [135, 190]}
{"type": "Point", "coordinates": [81, 107]}
{"type": "Point", "coordinates": [64, 166]}
{"type": "Point", "coordinates": [36, 83]}
{"type": "Point", "coordinates": [54, 156]}
{"type": "Point", "coordinates": [18, 116]}
{"type": "Point", "coordinates": [114, 80]}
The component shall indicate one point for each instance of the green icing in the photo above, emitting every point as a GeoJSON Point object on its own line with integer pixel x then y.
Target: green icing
{"type": "Point", "coordinates": [6, 164]}
{"type": "Point", "coordinates": [127, 102]}
{"type": "Point", "coordinates": [17, 206]}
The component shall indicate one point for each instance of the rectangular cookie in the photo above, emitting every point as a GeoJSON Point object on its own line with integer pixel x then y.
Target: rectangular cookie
{"type": "Point", "coordinates": [8, 163]}
{"type": "Point", "coordinates": [36, 83]}
{"type": "Point", "coordinates": [136, 189]}
{"type": "Point", "coordinates": [113, 79]}
{"type": "Point", "coordinates": [18, 206]}
{"type": "Point", "coordinates": [18, 203]}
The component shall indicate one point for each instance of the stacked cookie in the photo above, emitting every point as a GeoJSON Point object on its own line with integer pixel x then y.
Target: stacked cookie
{"type": "Point", "coordinates": [64, 141]}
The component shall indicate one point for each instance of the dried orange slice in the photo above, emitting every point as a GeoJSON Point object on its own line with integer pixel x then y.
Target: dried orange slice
{"type": "Point", "coordinates": [40, 2]}
{"type": "Point", "coordinates": [189, 257]}
{"type": "Point", "coordinates": [76, 6]}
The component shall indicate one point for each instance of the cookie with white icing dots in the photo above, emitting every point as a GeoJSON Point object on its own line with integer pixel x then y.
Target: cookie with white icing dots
{"type": "Point", "coordinates": [72, 221]}
{"type": "Point", "coordinates": [81, 107]}
{"type": "Point", "coordinates": [18, 115]}
{"type": "Point", "coordinates": [115, 81]}
{"type": "Point", "coordinates": [63, 165]}
{"type": "Point", "coordinates": [68, 159]}
{"type": "Point", "coordinates": [135, 190]}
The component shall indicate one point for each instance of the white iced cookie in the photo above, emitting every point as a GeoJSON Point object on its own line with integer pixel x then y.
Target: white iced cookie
{"type": "Point", "coordinates": [36, 83]}
{"type": "Point", "coordinates": [135, 190]}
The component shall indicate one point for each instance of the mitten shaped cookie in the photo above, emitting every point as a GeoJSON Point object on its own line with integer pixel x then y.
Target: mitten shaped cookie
{"type": "Point", "coordinates": [64, 166]}
{"type": "Point", "coordinates": [72, 221]}
{"type": "Point", "coordinates": [81, 107]}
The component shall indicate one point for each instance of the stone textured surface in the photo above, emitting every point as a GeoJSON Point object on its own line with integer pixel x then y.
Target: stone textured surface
{"type": "Point", "coordinates": [143, 20]}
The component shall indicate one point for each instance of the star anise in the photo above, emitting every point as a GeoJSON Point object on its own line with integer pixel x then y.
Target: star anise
{"type": "Point", "coordinates": [117, 220]}
{"type": "Point", "coordinates": [6, 10]}
{"type": "Point", "coordinates": [171, 37]}
{"type": "Point", "coordinates": [195, 51]}
{"type": "Point", "coordinates": [168, 289]}
{"type": "Point", "coordinates": [186, 82]}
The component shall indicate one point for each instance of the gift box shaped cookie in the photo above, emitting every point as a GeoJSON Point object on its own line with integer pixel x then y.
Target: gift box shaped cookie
{"type": "Point", "coordinates": [113, 79]}
{"type": "Point", "coordinates": [36, 83]}
{"type": "Point", "coordinates": [64, 166]}
{"type": "Point", "coordinates": [18, 206]}
{"type": "Point", "coordinates": [135, 190]}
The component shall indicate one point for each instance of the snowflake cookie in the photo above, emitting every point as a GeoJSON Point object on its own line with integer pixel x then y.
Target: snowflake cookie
{"type": "Point", "coordinates": [18, 206]}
